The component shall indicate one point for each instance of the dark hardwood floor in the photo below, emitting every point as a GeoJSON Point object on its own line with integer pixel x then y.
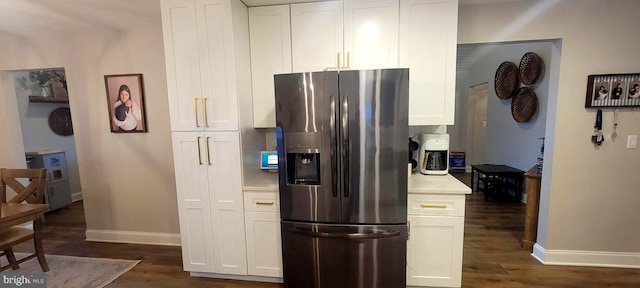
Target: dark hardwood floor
{"type": "Point", "coordinates": [492, 253]}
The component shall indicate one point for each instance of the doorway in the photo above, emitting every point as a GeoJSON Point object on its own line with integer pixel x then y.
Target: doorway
{"type": "Point", "coordinates": [477, 124]}
{"type": "Point", "coordinates": [43, 117]}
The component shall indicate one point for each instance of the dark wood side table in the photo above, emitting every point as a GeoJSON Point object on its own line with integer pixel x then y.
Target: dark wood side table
{"type": "Point", "coordinates": [497, 181]}
{"type": "Point", "coordinates": [532, 178]}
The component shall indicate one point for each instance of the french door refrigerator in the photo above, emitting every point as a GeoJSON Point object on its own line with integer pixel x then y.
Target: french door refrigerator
{"type": "Point", "coordinates": [342, 154]}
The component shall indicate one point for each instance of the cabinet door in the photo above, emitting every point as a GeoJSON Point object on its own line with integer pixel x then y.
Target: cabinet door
{"type": "Point", "coordinates": [264, 247]}
{"type": "Point", "coordinates": [217, 64]}
{"type": "Point", "coordinates": [270, 54]}
{"type": "Point", "coordinates": [428, 37]}
{"type": "Point", "coordinates": [434, 251]}
{"type": "Point", "coordinates": [194, 208]}
{"type": "Point", "coordinates": [316, 35]}
{"type": "Point", "coordinates": [182, 63]}
{"type": "Point", "coordinates": [371, 33]}
{"type": "Point", "coordinates": [225, 186]}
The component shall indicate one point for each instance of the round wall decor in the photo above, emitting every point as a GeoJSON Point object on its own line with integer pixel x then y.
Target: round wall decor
{"type": "Point", "coordinates": [531, 68]}
{"type": "Point", "coordinates": [60, 121]}
{"type": "Point", "coordinates": [524, 104]}
{"type": "Point", "coordinates": [506, 79]}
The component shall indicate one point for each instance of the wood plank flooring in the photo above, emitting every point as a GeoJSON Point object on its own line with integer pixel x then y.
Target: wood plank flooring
{"type": "Point", "coordinates": [492, 254]}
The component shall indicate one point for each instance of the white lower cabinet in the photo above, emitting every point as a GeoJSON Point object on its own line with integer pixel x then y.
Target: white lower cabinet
{"type": "Point", "coordinates": [262, 224]}
{"type": "Point", "coordinates": [436, 232]}
{"type": "Point", "coordinates": [210, 209]}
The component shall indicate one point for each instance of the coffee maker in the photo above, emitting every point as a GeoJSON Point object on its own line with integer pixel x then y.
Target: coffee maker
{"type": "Point", "coordinates": [434, 154]}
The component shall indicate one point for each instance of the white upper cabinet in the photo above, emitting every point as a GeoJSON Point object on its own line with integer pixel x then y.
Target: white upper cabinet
{"type": "Point", "coordinates": [363, 34]}
{"type": "Point", "coordinates": [371, 33]}
{"type": "Point", "coordinates": [182, 63]}
{"type": "Point", "coordinates": [270, 54]}
{"type": "Point", "coordinates": [428, 38]}
{"type": "Point", "coordinates": [200, 62]}
{"type": "Point", "coordinates": [316, 35]}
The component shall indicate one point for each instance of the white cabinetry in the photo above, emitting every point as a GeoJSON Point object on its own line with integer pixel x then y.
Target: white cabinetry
{"type": "Point", "coordinates": [305, 37]}
{"type": "Point", "coordinates": [207, 59]}
{"type": "Point", "coordinates": [316, 35]}
{"type": "Point", "coordinates": [199, 56]}
{"type": "Point", "coordinates": [210, 201]}
{"type": "Point", "coordinates": [262, 224]}
{"type": "Point", "coordinates": [356, 33]}
{"type": "Point", "coordinates": [371, 33]}
{"type": "Point", "coordinates": [270, 55]}
{"type": "Point", "coordinates": [366, 34]}
{"type": "Point", "coordinates": [434, 249]}
{"type": "Point", "coordinates": [428, 37]}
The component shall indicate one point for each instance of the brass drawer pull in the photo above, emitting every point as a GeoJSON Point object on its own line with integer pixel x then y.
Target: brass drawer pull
{"type": "Point", "coordinates": [264, 203]}
{"type": "Point", "coordinates": [434, 206]}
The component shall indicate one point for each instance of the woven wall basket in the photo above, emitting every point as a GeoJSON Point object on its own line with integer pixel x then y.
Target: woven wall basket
{"type": "Point", "coordinates": [524, 104]}
{"type": "Point", "coordinates": [506, 80]}
{"type": "Point", "coordinates": [531, 68]}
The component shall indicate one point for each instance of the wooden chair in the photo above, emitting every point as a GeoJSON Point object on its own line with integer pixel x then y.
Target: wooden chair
{"type": "Point", "coordinates": [33, 193]}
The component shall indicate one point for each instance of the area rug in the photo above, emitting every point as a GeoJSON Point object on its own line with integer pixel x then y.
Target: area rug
{"type": "Point", "coordinates": [70, 271]}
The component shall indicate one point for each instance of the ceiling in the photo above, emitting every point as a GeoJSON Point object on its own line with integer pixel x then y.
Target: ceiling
{"type": "Point", "coordinates": [28, 18]}
{"type": "Point", "coordinates": [59, 18]}
{"type": "Point", "coordinates": [278, 2]}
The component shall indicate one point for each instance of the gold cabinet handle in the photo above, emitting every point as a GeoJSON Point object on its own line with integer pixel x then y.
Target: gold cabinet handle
{"type": "Point", "coordinates": [264, 203]}
{"type": "Point", "coordinates": [338, 60]}
{"type": "Point", "coordinates": [195, 108]}
{"type": "Point", "coordinates": [348, 60]}
{"type": "Point", "coordinates": [199, 153]}
{"type": "Point", "coordinates": [208, 152]}
{"type": "Point", "coordinates": [206, 120]}
{"type": "Point", "coordinates": [433, 206]}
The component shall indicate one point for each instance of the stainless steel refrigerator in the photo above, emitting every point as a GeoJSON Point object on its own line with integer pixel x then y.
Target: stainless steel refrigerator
{"type": "Point", "coordinates": [342, 151]}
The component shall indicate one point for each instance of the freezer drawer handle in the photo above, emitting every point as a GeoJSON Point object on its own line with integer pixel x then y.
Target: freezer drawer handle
{"type": "Point", "coordinates": [375, 235]}
{"type": "Point", "coordinates": [434, 206]}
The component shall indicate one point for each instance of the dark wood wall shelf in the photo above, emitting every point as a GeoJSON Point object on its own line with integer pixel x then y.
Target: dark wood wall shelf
{"type": "Point", "coordinates": [40, 99]}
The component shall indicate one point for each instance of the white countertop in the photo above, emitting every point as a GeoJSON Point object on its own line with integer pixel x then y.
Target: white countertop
{"type": "Point", "coordinates": [262, 181]}
{"type": "Point", "coordinates": [417, 184]}
{"type": "Point", "coordinates": [436, 184]}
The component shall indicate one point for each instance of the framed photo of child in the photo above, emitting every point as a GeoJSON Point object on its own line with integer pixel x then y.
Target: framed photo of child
{"type": "Point", "coordinates": [125, 103]}
{"type": "Point", "coordinates": [613, 90]}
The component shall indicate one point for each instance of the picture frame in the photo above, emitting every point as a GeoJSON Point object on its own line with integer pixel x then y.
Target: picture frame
{"type": "Point", "coordinates": [613, 90]}
{"type": "Point", "coordinates": [130, 116]}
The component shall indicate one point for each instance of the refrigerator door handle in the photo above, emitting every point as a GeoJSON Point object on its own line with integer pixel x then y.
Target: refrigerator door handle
{"type": "Point", "coordinates": [334, 141]}
{"type": "Point", "coordinates": [374, 235]}
{"type": "Point", "coordinates": [345, 145]}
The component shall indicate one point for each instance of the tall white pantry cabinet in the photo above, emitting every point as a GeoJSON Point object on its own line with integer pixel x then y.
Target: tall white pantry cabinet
{"type": "Point", "coordinates": [207, 62]}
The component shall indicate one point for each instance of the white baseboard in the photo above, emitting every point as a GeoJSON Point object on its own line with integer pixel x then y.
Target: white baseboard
{"type": "Point", "coordinates": [134, 237]}
{"type": "Point", "coordinates": [238, 277]}
{"type": "Point", "coordinates": [586, 258]}
{"type": "Point", "coordinates": [76, 197]}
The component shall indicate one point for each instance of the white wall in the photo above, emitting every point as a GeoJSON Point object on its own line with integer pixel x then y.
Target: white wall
{"type": "Point", "coordinates": [590, 195]}
{"type": "Point", "coordinates": [127, 179]}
